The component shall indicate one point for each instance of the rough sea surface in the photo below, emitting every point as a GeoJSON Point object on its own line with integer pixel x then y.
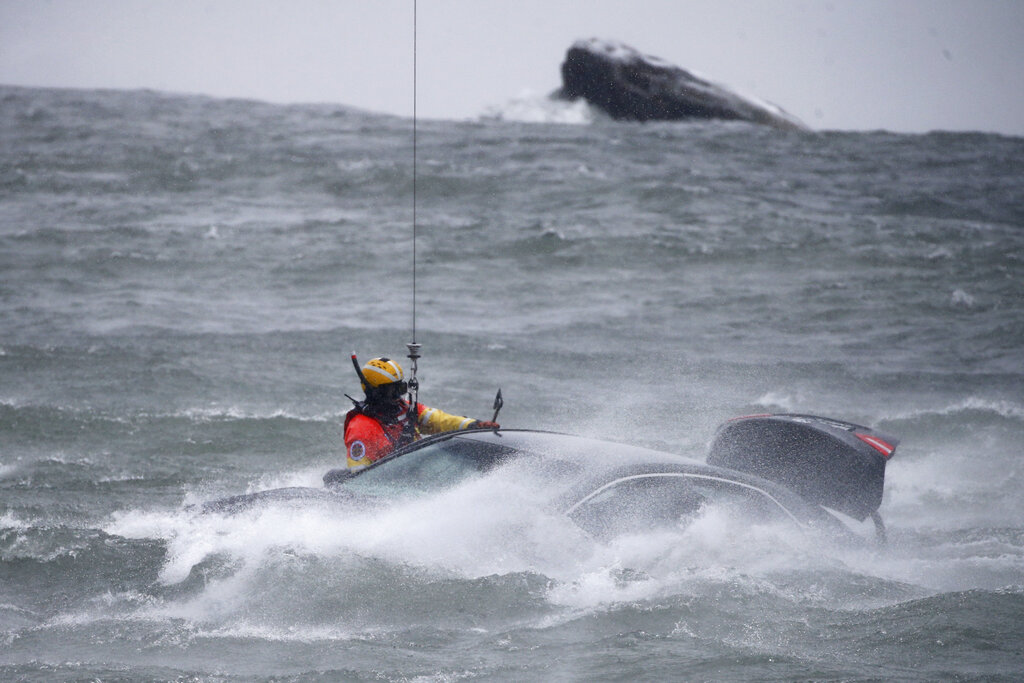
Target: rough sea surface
{"type": "Point", "coordinates": [182, 280]}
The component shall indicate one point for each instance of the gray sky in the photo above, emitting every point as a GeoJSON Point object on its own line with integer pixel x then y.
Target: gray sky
{"type": "Point", "coordinates": [902, 65]}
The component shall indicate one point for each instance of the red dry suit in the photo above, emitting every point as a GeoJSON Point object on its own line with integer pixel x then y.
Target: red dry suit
{"type": "Point", "coordinates": [369, 438]}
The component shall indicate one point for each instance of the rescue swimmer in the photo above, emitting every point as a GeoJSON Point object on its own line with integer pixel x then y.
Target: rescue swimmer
{"type": "Point", "coordinates": [380, 424]}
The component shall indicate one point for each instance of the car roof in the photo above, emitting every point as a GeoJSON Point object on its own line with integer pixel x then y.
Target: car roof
{"type": "Point", "coordinates": [598, 453]}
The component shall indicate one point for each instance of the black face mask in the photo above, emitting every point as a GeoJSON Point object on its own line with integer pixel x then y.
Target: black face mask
{"type": "Point", "coordinates": [386, 393]}
{"type": "Point", "coordinates": [386, 412]}
{"type": "Point", "coordinates": [385, 403]}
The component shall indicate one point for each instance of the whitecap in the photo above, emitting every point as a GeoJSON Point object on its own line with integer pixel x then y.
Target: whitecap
{"type": "Point", "coordinates": [531, 107]}
{"type": "Point", "coordinates": [961, 299]}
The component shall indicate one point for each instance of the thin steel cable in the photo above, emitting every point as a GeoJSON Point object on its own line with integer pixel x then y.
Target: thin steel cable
{"type": "Point", "coordinates": [414, 22]}
{"type": "Point", "coordinates": [414, 348]}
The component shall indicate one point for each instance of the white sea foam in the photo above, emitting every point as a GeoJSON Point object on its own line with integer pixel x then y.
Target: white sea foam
{"type": "Point", "coordinates": [1001, 407]}
{"type": "Point", "coordinates": [531, 107]}
{"type": "Point", "coordinates": [9, 521]}
{"type": "Point", "coordinates": [223, 413]}
{"type": "Point", "coordinates": [779, 402]}
{"type": "Point", "coordinates": [7, 470]}
{"type": "Point", "coordinates": [490, 527]}
{"type": "Point", "coordinates": [476, 519]}
{"type": "Point", "coordinates": [307, 633]}
{"type": "Point", "coordinates": [961, 299]}
{"type": "Point", "coordinates": [497, 526]}
{"type": "Point", "coordinates": [715, 547]}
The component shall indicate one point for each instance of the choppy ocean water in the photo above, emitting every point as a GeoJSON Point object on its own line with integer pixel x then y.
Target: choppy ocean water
{"type": "Point", "coordinates": [183, 279]}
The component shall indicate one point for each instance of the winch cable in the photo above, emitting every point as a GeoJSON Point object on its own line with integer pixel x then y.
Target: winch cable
{"type": "Point", "coordinates": [413, 346]}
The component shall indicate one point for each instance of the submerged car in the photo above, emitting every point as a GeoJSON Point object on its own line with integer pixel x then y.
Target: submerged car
{"type": "Point", "coordinates": [808, 470]}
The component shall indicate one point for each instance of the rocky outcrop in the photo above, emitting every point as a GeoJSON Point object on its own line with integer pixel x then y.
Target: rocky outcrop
{"type": "Point", "coordinates": [628, 85]}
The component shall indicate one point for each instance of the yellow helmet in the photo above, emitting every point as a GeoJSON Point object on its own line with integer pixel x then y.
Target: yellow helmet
{"type": "Point", "coordinates": [384, 377]}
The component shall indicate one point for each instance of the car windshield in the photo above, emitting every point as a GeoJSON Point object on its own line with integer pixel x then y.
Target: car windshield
{"type": "Point", "coordinates": [433, 467]}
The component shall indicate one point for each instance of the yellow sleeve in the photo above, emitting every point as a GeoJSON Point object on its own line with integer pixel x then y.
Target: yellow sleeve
{"type": "Point", "coordinates": [433, 421]}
